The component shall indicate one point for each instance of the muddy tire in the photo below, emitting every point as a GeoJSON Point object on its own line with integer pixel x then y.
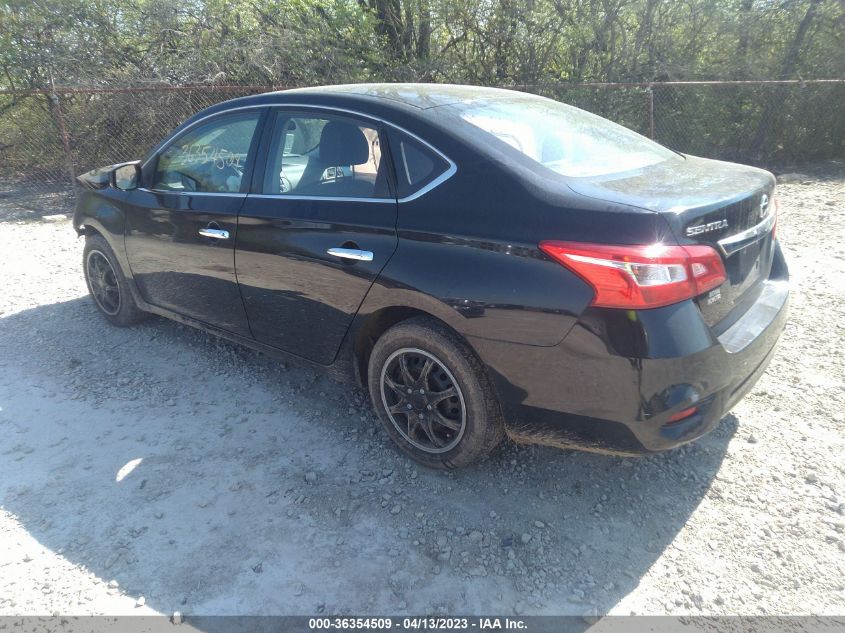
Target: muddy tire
{"type": "Point", "coordinates": [107, 284]}
{"type": "Point", "coordinates": [433, 396]}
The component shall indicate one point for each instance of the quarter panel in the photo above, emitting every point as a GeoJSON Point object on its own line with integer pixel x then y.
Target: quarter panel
{"type": "Point", "coordinates": [468, 249]}
{"type": "Point", "coordinates": [483, 289]}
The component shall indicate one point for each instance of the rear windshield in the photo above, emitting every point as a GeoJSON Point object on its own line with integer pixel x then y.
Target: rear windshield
{"type": "Point", "coordinates": [567, 140]}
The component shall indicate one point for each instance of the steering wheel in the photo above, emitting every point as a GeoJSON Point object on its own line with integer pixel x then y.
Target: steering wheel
{"type": "Point", "coordinates": [224, 178]}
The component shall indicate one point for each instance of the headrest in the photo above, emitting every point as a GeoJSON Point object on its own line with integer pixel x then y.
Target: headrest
{"type": "Point", "coordinates": [343, 144]}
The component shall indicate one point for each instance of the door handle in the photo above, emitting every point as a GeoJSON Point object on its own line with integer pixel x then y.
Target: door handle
{"type": "Point", "coordinates": [217, 234]}
{"type": "Point", "coordinates": [351, 253]}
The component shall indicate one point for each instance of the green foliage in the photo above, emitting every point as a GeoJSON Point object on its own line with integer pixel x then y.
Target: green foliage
{"type": "Point", "coordinates": [543, 46]}
{"type": "Point", "coordinates": [285, 42]}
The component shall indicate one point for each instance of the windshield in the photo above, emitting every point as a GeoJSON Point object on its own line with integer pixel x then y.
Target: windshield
{"type": "Point", "coordinates": [567, 140]}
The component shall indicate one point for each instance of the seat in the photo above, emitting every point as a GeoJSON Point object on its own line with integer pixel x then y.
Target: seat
{"type": "Point", "coordinates": [341, 145]}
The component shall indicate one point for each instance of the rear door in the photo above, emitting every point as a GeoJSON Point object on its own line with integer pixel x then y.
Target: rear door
{"type": "Point", "coordinates": [181, 229]}
{"type": "Point", "coordinates": [316, 231]}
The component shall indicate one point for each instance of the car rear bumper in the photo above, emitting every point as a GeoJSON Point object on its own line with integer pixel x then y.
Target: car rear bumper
{"type": "Point", "coordinates": [615, 381]}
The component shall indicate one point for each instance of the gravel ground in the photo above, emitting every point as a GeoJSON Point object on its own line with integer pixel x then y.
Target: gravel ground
{"type": "Point", "coordinates": [158, 469]}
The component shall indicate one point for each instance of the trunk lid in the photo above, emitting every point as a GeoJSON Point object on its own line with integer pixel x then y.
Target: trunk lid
{"type": "Point", "coordinates": [727, 206]}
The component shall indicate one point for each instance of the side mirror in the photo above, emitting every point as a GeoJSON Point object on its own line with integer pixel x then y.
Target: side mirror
{"type": "Point", "coordinates": [127, 177]}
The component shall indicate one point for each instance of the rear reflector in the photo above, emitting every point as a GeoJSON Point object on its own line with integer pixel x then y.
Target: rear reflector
{"type": "Point", "coordinates": [639, 277]}
{"type": "Point", "coordinates": [682, 415]}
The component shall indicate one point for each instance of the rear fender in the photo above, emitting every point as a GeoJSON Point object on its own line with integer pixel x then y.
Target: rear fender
{"type": "Point", "coordinates": [482, 289]}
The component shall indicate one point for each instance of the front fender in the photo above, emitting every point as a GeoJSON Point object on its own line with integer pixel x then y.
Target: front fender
{"type": "Point", "coordinates": [98, 211]}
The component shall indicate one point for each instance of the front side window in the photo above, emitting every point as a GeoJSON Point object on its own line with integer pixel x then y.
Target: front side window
{"type": "Point", "coordinates": [566, 140]}
{"type": "Point", "coordinates": [210, 158]}
{"type": "Point", "coordinates": [325, 156]}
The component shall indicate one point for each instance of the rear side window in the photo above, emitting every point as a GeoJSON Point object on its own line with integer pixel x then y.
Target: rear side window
{"type": "Point", "coordinates": [210, 158]}
{"type": "Point", "coordinates": [416, 165]}
{"type": "Point", "coordinates": [325, 156]}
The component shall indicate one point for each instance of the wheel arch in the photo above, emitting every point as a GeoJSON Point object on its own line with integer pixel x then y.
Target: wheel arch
{"type": "Point", "coordinates": [107, 221]}
{"type": "Point", "coordinates": [89, 230]}
{"type": "Point", "coordinates": [376, 323]}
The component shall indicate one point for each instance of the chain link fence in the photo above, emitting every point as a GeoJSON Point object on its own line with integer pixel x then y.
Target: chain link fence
{"type": "Point", "coordinates": [48, 137]}
{"type": "Point", "coordinates": [772, 124]}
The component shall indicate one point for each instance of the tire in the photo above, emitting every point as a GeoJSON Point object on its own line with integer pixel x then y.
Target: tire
{"type": "Point", "coordinates": [107, 284]}
{"type": "Point", "coordinates": [433, 429]}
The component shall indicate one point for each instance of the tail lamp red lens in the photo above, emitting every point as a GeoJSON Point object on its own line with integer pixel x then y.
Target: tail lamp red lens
{"type": "Point", "coordinates": [639, 277]}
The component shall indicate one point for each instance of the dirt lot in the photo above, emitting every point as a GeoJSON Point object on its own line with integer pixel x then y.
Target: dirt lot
{"type": "Point", "coordinates": [159, 462]}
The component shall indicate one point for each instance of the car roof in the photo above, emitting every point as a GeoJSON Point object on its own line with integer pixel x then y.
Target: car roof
{"type": "Point", "coordinates": [398, 103]}
{"type": "Point", "coordinates": [418, 95]}
{"type": "Point", "coordinates": [410, 98]}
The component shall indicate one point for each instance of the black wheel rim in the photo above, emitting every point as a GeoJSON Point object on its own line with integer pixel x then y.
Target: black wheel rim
{"type": "Point", "coordinates": [423, 400]}
{"type": "Point", "coordinates": [102, 282]}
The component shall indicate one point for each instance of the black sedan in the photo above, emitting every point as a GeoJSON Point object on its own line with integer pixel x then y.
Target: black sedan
{"type": "Point", "coordinates": [485, 262]}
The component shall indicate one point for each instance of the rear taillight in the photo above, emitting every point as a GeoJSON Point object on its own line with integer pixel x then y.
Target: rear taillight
{"type": "Point", "coordinates": [640, 276]}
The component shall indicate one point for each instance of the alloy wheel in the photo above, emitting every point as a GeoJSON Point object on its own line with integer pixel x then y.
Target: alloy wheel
{"type": "Point", "coordinates": [102, 281]}
{"type": "Point", "coordinates": [423, 400]}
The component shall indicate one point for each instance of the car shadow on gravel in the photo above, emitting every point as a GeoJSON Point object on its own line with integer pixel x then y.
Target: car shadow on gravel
{"type": "Point", "coordinates": [213, 480]}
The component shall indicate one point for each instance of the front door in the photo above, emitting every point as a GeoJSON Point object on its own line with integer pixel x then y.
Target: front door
{"type": "Point", "coordinates": [181, 231]}
{"type": "Point", "coordinates": [312, 242]}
